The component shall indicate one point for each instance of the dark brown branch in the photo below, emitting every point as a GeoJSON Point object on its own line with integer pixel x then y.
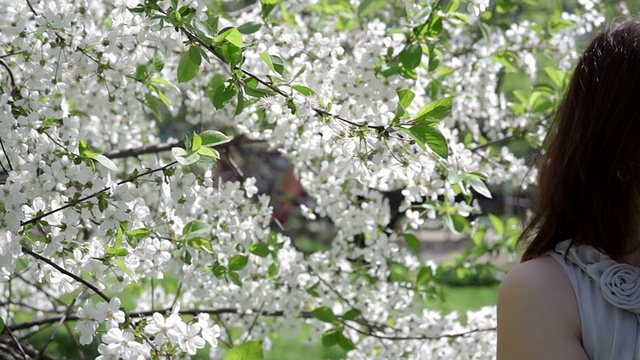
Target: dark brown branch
{"type": "Point", "coordinates": [494, 142]}
{"type": "Point", "coordinates": [143, 150]}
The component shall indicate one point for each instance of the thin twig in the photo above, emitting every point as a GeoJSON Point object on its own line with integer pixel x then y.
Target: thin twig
{"type": "Point", "coordinates": [254, 322]}
{"type": "Point", "coordinates": [13, 80]}
{"type": "Point", "coordinates": [16, 342]}
{"type": "Point", "coordinates": [57, 328]}
{"type": "Point", "coordinates": [494, 142]}
{"type": "Point", "coordinates": [175, 299]}
{"type": "Point", "coordinates": [6, 155]}
{"type": "Point", "coordinates": [31, 8]}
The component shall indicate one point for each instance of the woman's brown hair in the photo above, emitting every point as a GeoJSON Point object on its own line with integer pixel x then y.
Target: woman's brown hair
{"type": "Point", "coordinates": [589, 176]}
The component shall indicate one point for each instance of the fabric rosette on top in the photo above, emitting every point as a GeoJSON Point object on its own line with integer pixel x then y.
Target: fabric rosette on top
{"type": "Point", "coordinates": [621, 286]}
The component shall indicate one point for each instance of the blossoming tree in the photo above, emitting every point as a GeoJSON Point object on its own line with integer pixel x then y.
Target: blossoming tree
{"type": "Point", "coordinates": [127, 237]}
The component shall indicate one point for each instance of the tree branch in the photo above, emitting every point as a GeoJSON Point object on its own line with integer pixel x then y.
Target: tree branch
{"type": "Point", "coordinates": [494, 142]}
{"type": "Point", "coordinates": [144, 150]}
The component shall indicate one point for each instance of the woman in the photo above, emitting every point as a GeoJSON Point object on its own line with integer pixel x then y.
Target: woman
{"type": "Point", "coordinates": [576, 294]}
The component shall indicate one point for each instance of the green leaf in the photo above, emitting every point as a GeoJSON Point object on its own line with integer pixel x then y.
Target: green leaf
{"type": "Point", "coordinates": [186, 257]}
{"type": "Point", "coordinates": [306, 91]}
{"type": "Point", "coordinates": [345, 342]}
{"type": "Point", "coordinates": [232, 54]}
{"type": "Point", "coordinates": [330, 337]}
{"type": "Point", "coordinates": [212, 138]}
{"type": "Point", "coordinates": [274, 63]}
{"type": "Point", "coordinates": [463, 17]}
{"type": "Point", "coordinates": [249, 28]}
{"type": "Point", "coordinates": [239, 103]}
{"type": "Point", "coordinates": [187, 68]}
{"type": "Point", "coordinates": [412, 242]}
{"type": "Point", "coordinates": [405, 97]}
{"type": "Point", "coordinates": [196, 142]}
{"type": "Point", "coordinates": [368, 7]}
{"type": "Point", "coordinates": [259, 249]}
{"type": "Point", "coordinates": [183, 157]}
{"type": "Point", "coordinates": [200, 243]}
{"type": "Point", "coordinates": [425, 134]}
{"type": "Point", "coordinates": [222, 95]}
{"type": "Point", "coordinates": [196, 227]}
{"type": "Point", "coordinates": [138, 234]}
{"type": "Point", "coordinates": [238, 262]}
{"type": "Point", "coordinates": [434, 112]}
{"type": "Point", "coordinates": [1, 325]}
{"type": "Point", "coordinates": [231, 35]}
{"type": "Point", "coordinates": [202, 27]}
{"type": "Point", "coordinates": [508, 58]}
{"type": "Point", "coordinates": [195, 54]}
{"type": "Point", "coordinates": [313, 290]}
{"type": "Point", "coordinates": [161, 95]}
{"type": "Point", "coordinates": [479, 186]}
{"type": "Point", "coordinates": [235, 278]}
{"type": "Point", "coordinates": [85, 150]}
{"type": "Point", "coordinates": [556, 75]}
{"type": "Point", "coordinates": [106, 162]}
{"type": "Point", "coordinates": [272, 272]}
{"type": "Point", "coordinates": [458, 223]}
{"type": "Point", "coordinates": [157, 63]}
{"type": "Point", "coordinates": [209, 152]}
{"type": "Point", "coordinates": [444, 70]}
{"type": "Point", "coordinates": [325, 314]}
{"type": "Point", "coordinates": [251, 350]}
{"type": "Point", "coordinates": [497, 223]}
{"type": "Point", "coordinates": [124, 267]}
{"type": "Point", "coordinates": [268, 6]}
{"type": "Point", "coordinates": [351, 314]}
{"type": "Point", "coordinates": [163, 82]}
{"type": "Point", "coordinates": [411, 56]}
{"type": "Point", "coordinates": [425, 274]}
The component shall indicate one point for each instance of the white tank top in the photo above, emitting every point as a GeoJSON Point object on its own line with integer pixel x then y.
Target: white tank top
{"type": "Point", "coordinates": [608, 296]}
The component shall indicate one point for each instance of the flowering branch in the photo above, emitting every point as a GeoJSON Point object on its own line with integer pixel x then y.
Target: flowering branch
{"type": "Point", "coordinates": [317, 110]}
{"type": "Point", "coordinates": [222, 311]}
{"type": "Point", "coordinates": [91, 196]}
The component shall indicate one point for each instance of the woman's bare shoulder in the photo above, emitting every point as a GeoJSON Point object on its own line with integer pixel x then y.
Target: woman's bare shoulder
{"type": "Point", "coordinates": [543, 274]}
{"type": "Point", "coordinates": [538, 316]}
